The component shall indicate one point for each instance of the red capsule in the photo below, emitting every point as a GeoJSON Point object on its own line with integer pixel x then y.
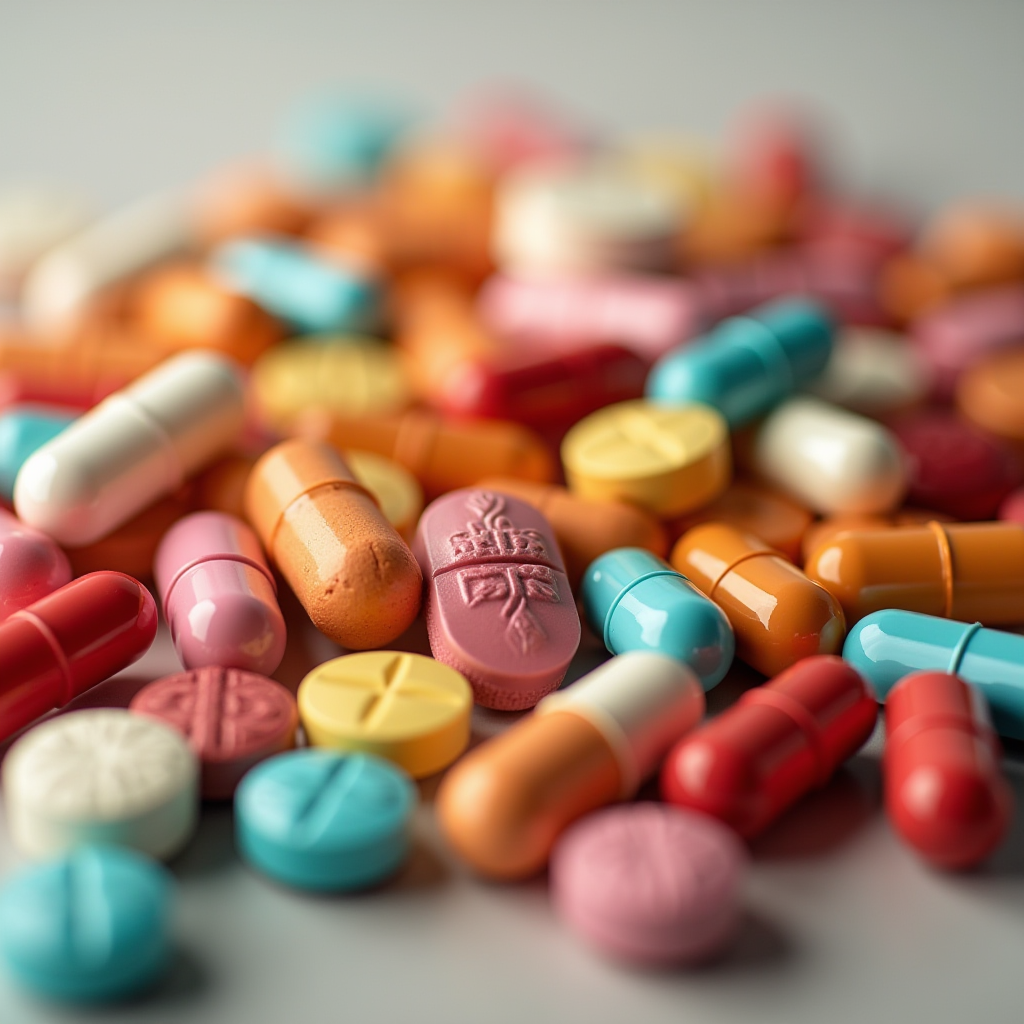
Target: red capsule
{"type": "Point", "coordinates": [69, 641]}
{"type": "Point", "coordinates": [541, 388]}
{"type": "Point", "coordinates": [944, 792]}
{"type": "Point", "coordinates": [774, 745]}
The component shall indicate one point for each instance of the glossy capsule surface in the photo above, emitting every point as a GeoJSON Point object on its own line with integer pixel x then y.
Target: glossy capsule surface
{"type": "Point", "coordinates": [23, 429]}
{"type": "Point", "coordinates": [31, 565]}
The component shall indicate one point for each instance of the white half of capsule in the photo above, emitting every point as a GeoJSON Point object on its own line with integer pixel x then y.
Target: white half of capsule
{"type": "Point", "coordinates": [114, 247]}
{"type": "Point", "coordinates": [33, 219]}
{"type": "Point", "coordinates": [831, 460]}
{"type": "Point", "coordinates": [138, 445]}
{"type": "Point", "coordinates": [641, 702]}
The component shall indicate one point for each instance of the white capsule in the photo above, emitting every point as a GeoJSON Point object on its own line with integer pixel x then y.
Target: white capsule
{"type": "Point", "coordinates": [101, 776]}
{"type": "Point", "coordinates": [829, 459]}
{"type": "Point", "coordinates": [121, 244]}
{"type": "Point", "coordinates": [136, 446]}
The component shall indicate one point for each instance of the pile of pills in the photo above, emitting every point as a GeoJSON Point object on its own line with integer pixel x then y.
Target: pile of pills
{"type": "Point", "coordinates": [526, 386]}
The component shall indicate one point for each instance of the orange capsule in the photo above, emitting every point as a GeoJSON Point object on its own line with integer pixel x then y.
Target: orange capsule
{"type": "Point", "coordinates": [990, 394]}
{"type": "Point", "coordinates": [355, 234]}
{"type": "Point", "coordinates": [731, 228]}
{"type": "Point", "coordinates": [585, 529]}
{"type": "Point", "coordinates": [910, 286]}
{"type": "Point", "coordinates": [826, 530]}
{"type": "Point", "coordinates": [356, 578]}
{"type": "Point", "coordinates": [973, 572]}
{"type": "Point", "coordinates": [975, 245]}
{"type": "Point", "coordinates": [442, 455]}
{"type": "Point", "coordinates": [221, 486]}
{"type": "Point", "coordinates": [778, 615]}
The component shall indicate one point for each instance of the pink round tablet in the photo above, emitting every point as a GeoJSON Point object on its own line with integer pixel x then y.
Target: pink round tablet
{"type": "Point", "coordinates": [650, 883]}
{"type": "Point", "coordinates": [31, 565]}
{"type": "Point", "coordinates": [232, 719]}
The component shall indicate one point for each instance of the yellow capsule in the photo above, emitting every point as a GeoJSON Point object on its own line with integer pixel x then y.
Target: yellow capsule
{"type": "Point", "coordinates": [397, 491]}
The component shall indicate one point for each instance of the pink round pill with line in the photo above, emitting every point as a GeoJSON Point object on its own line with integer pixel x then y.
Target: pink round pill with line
{"type": "Point", "coordinates": [650, 883]}
{"type": "Point", "coordinates": [219, 595]}
{"type": "Point", "coordinates": [32, 565]}
{"type": "Point", "coordinates": [231, 719]}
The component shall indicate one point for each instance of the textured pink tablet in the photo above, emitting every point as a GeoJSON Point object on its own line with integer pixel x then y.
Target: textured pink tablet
{"type": "Point", "coordinates": [650, 883]}
{"type": "Point", "coordinates": [31, 565]}
{"type": "Point", "coordinates": [219, 595]}
{"type": "Point", "coordinates": [231, 719]}
{"type": "Point", "coordinates": [498, 604]}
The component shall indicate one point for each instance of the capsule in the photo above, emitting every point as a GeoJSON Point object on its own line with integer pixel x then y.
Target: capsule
{"type": "Point", "coordinates": [23, 429]}
{"type": "Point", "coordinates": [747, 365]}
{"type": "Point", "coordinates": [961, 571]}
{"type": "Point", "coordinates": [585, 529]}
{"type": "Point", "coordinates": [885, 646]}
{"type": "Point", "coordinates": [498, 604]}
{"type": "Point", "coordinates": [779, 615]}
{"type": "Point", "coordinates": [33, 219]}
{"type": "Point", "coordinates": [443, 455]}
{"type": "Point", "coordinates": [976, 244]}
{"type": "Point", "coordinates": [635, 601]}
{"type": "Point", "coordinates": [135, 447]}
{"type": "Point", "coordinates": [944, 792]}
{"type": "Point", "coordinates": [70, 640]}
{"type": "Point", "coordinates": [989, 395]}
{"type": "Point", "coordinates": [354, 575]}
{"type": "Point", "coordinates": [503, 806]}
{"type": "Point", "coordinates": [218, 595]}
{"type": "Point", "coordinates": [829, 459]}
{"type": "Point", "coordinates": [774, 745]}
{"type": "Point", "coordinates": [31, 565]}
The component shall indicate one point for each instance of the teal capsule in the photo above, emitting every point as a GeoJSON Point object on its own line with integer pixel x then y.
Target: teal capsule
{"type": "Point", "coordinates": [636, 601]}
{"type": "Point", "coordinates": [887, 645]}
{"type": "Point", "coordinates": [747, 364]}
{"type": "Point", "coordinates": [23, 429]}
{"type": "Point", "coordinates": [314, 295]}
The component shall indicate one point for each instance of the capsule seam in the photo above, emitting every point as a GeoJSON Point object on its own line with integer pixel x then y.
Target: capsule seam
{"type": "Point", "coordinates": [742, 558]}
{"type": "Point", "coordinates": [804, 720]}
{"type": "Point", "coordinates": [946, 561]}
{"type": "Point", "coordinates": [58, 652]}
{"type": "Point", "coordinates": [958, 652]}
{"type": "Point", "coordinates": [168, 441]}
{"type": "Point", "coordinates": [625, 590]}
{"type": "Point", "coordinates": [202, 559]}
{"type": "Point", "coordinates": [611, 732]}
{"type": "Point", "coordinates": [339, 484]}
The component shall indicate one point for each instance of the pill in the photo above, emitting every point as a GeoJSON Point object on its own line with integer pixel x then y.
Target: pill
{"type": "Point", "coordinates": [68, 641]}
{"type": "Point", "coordinates": [406, 708]}
{"type": "Point", "coordinates": [953, 467]}
{"type": "Point", "coordinates": [312, 294]}
{"type": "Point", "coordinates": [23, 429]}
{"type": "Point", "coordinates": [352, 376]}
{"type": "Point", "coordinates": [975, 244]}
{"type": "Point", "coordinates": [751, 508]}
{"type": "Point", "coordinates": [397, 491]}
{"type": "Point", "coordinates": [102, 775]}
{"type": "Point", "coordinates": [887, 645]}
{"type": "Point", "coordinates": [498, 605]}
{"type": "Point", "coordinates": [220, 486]}
{"type": "Point", "coordinates": [356, 578]}
{"type": "Point", "coordinates": [34, 219]}
{"type": "Point", "coordinates": [635, 601]}
{"type": "Point", "coordinates": [231, 719]}
{"type": "Point", "coordinates": [218, 595]}
{"type": "Point", "coordinates": [90, 926]}
{"type": "Point", "coordinates": [183, 306]}
{"type": "Point", "coordinates": [732, 229]}
{"type": "Point", "coordinates": [945, 794]}
{"type": "Point", "coordinates": [325, 821]}
{"type": "Point", "coordinates": [31, 565]}
{"type": "Point", "coordinates": [747, 365]}
{"type": "Point", "coordinates": [585, 529]}
{"type": "Point", "coordinates": [1012, 506]}
{"type": "Point", "coordinates": [121, 244]}
{"type": "Point", "coordinates": [504, 805]}
{"type": "Point", "coordinates": [879, 229]}
{"type": "Point", "coordinates": [138, 445]}
{"type": "Point", "coordinates": [874, 372]}
{"type": "Point", "coordinates": [668, 460]}
{"type": "Point", "coordinates": [779, 616]}
{"type": "Point", "coordinates": [829, 459]}
{"type": "Point", "coordinates": [961, 571]}
{"type": "Point", "coordinates": [442, 454]}
{"type": "Point", "coordinates": [645, 313]}
{"type": "Point", "coordinates": [773, 746]}
{"type": "Point", "coordinates": [649, 884]}
{"type": "Point", "coordinates": [911, 287]}
{"type": "Point", "coordinates": [988, 395]}
{"type": "Point", "coordinates": [681, 164]}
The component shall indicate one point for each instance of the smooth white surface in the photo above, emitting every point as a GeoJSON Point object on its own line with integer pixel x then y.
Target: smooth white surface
{"type": "Point", "coordinates": [33, 219]}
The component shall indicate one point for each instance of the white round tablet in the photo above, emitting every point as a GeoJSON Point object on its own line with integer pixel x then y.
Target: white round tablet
{"type": "Point", "coordinates": [102, 775]}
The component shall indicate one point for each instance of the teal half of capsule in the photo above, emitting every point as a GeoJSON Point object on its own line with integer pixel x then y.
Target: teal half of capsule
{"type": "Point", "coordinates": [635, 601]}
{"type": "Point", "coordinates": [23, 429]}
{"type": "Point", "coordinates": [314, 295]}
{"type": "Point", "coordinates": [887, 645]}
{"type": "Point", "coordinates": [747, 364]}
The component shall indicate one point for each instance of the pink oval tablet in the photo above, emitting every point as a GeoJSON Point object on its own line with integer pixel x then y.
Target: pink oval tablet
{"type": "Point", "coordinates": [498, 607]}
{"type": "Point", "coordinates": [232, 720]}
{"type": "Point", "coordinates": [650, 883]}
{"type": "Point", "coordinates": [31, 565]}
{"type": "Point", "coordinates": [219, 595]}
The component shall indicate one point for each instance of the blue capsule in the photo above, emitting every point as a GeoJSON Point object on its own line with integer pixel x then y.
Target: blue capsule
{"type": "Point", "coordinates": [23, 429]}
{"type": "Point", "coordinates": [887, 645]}
{"type": "Point", "coordinates": [747, 364]}
{"type": "Point", "coordinates": [635, 601]}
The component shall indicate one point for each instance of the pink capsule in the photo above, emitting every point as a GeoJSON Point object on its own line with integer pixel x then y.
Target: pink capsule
{"type": "Point", "coordinates": [219, 595]}
{"type": "Point", "coordinates": [31, 565]}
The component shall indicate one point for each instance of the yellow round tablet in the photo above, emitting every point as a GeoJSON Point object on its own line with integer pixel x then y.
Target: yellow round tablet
{"type": "Point", "coordinates": [397, 491]}
{"type": "Point", "coordinates": [407, 708]}
{"type": "Point", "coordinates": [666, 459]}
